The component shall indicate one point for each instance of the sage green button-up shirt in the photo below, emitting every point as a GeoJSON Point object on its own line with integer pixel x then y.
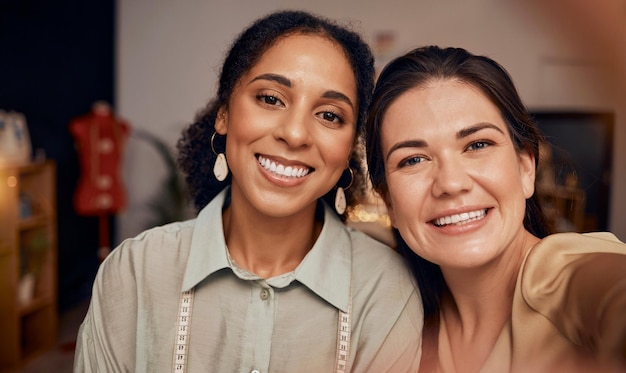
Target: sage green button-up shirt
{"type": "Point", "coordinates": [241, 322]}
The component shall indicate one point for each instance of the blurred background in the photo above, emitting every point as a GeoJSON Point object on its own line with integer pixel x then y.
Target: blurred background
{"type": "Point", "coordinates": [156, 63]}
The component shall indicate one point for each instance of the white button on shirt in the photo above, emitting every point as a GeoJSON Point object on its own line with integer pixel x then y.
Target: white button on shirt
{"type": "Point", "coordinates": [265, 294]}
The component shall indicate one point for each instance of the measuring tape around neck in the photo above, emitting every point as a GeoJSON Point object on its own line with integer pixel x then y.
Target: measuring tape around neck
{"type": "Point", "coordinates": [183, 325]}
{"type": "Point", "coordinates": [343, 339]}
{"type": "Point", "coordinates": [181, 347]}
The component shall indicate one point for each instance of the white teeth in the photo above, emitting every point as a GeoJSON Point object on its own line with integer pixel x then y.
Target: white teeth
{"type": "Point", "coordinates": [462, 218]}
{"type": "Point", "coordinates": [289, 171]}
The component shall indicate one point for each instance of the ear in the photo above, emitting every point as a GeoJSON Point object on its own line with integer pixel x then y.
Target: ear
{"type": "Point", "coordinates": [221, 125]}
{"type": "Point", "coordinates": [527, 173]}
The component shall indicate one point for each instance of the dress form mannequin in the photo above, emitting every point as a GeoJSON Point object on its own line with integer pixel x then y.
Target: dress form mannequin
{"type": "Point", "coordinates": [100, 140]}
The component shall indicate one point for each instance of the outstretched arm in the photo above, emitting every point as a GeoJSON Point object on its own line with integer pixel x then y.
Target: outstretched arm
{"type": "Point", "coordinates": [579, 283]}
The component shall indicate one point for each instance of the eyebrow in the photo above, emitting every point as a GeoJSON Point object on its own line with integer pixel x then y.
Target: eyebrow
{"type": "Point", "coordinates": [274, 78]}
{"type": "Point", "coordinates": [339, 96]}
{"type": "Point", "coordinates": [459, 135]}
{"type": "Point", "coordinates": [477, 127]}
{"type": "Point", "coordinates": [282, 80]}
{"type": "Point", "coordinates": [406, 144]}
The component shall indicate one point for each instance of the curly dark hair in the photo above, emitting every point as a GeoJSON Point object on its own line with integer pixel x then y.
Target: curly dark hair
{"type": "Point", "coordinates": [196, 158]}
{"type": "Point", "coordinates": [417, 68]}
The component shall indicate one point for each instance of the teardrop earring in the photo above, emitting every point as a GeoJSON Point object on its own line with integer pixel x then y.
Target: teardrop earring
{"type": "Point", "coordinates": [340, 196]}
{"type": "Point", "coordinates": [220, 169]}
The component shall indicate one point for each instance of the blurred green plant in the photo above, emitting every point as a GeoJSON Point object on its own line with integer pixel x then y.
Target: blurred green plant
{"type": "Point", "coordinates": [170, 204]}
{"type": "Point", "coordinates": [33, 252]}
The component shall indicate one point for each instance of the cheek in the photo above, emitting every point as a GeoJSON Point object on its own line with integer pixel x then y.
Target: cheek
{"type": "Point", "coordinates": [237, 128]}
{"type": "Point", "coordinates": [243, 131]}
{"type": "Point", "coordinates": [516, 180]}
{"type": "Point", "coordinates": [405, 199]}
{"type": "Point", "coordinates": [235, 138]}
{"type": "Point", "coordinates": [336, 149]}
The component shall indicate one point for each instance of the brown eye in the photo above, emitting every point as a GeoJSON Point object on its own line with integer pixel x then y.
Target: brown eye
{"type": "Point", "coordinates": [332, 117]}
{"type": "Point", "coordinates": [269, 99]}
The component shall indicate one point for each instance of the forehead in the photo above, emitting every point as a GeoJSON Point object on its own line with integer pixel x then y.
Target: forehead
{"type": "Point", "coordinates": [308, 58]}
{"type": "Point", "coordinates": [442, 99]}
{"type": "Point", "coordinates": [439, 106]}
{"type": "Point", "coordinates": [298, 42]}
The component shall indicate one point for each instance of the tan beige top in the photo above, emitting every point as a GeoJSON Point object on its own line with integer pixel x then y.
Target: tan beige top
{"type": "Point", "coordinates": [569, 310]}
{"type": "Point", "coordinates": [244, 323]}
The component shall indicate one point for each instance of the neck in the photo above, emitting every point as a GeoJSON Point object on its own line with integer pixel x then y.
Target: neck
{"type": "Point", "coordinates": [480, 303]}
{"type": "Point", "coordinates": [269, 246]}
{"type": "Point", "coordinates": [476, 293]}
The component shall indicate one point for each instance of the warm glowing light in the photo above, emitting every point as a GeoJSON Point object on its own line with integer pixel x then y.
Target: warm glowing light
{"type": "Point", "coordinates": [11, 181]}
{"type": "Point", "coordinates": [360, 214]}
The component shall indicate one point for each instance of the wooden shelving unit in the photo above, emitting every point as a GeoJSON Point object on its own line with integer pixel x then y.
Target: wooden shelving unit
{"type": "Point", "coordinates": [28, 245]}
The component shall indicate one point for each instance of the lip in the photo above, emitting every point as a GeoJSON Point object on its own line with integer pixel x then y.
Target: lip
{"type": "Point", "coordinates": [283, 171]}
{"type": "Point", "coordinates": [461, 219]}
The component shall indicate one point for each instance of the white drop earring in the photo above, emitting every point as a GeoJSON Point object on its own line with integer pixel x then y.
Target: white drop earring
{"type": "Point", "coordinates": [340, 195]}
{"type": "Point", "coordinates": [220, 169]}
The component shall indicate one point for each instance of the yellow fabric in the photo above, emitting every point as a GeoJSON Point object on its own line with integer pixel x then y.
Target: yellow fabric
{"type": "Point", "coordinates": [569, 310]}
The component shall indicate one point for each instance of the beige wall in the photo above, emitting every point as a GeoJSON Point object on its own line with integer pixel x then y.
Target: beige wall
{"type": "Point", "coordinates": [564, 56]}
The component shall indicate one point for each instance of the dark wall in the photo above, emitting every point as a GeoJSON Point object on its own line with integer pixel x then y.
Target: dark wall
{"type": "Point", "coordinates": [582, 145]}
{"type": "Point", "coordinates": [56, 59]}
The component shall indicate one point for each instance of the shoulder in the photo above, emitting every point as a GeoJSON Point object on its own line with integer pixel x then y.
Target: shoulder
{"type": "Point", "coordinates": [370, 258]}
{"type": "Point", "coordinates": [374, 255]}
{"type": "Point", "coordinates": [168, 244]}
{"type": "Point", "coordinates": [558, 260]}
{"type": "Point", "coordinates": [387, 305]}
{"type": "Point", "coordinates": [378, 268]}
{"type": "Point", "coordinates": [576, 282]}
{"type": "Point", "coordinates": [557, 247]}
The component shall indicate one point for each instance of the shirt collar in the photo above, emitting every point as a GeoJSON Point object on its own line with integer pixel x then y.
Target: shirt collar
{"type": "Point", "coordinates": [325, 270]}
{"type": "Point", "coordinates": [208, 246]}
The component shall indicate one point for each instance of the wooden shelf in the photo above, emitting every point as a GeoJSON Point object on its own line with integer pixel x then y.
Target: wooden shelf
{"type": "Point", "coordinates": [33, 222]}
{"type": "Point", "coordinates": [34, 304]}
{"type": "Point", "coordinates": [5, 249]}
{"type": "Point", "coordinates": [27, 245]}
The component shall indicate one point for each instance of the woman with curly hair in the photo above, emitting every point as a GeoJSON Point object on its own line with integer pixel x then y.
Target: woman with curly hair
{"type": "Point", "coordinates": [267, 278]}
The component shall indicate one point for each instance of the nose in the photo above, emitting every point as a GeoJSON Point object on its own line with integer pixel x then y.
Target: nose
{"type": "Point", "coordinates": [451, 178]}
{"type": "Point", "coordinates": [294, 128]}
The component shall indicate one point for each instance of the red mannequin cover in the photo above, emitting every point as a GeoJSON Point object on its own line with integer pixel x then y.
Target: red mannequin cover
{"type": "Point", "coordinates": [100, 140]}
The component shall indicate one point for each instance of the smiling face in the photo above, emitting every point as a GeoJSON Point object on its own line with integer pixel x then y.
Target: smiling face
{"type": "Point", "coordinates": [456, 185]}
{"type": "Point", "coordinates": [290, 126]}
